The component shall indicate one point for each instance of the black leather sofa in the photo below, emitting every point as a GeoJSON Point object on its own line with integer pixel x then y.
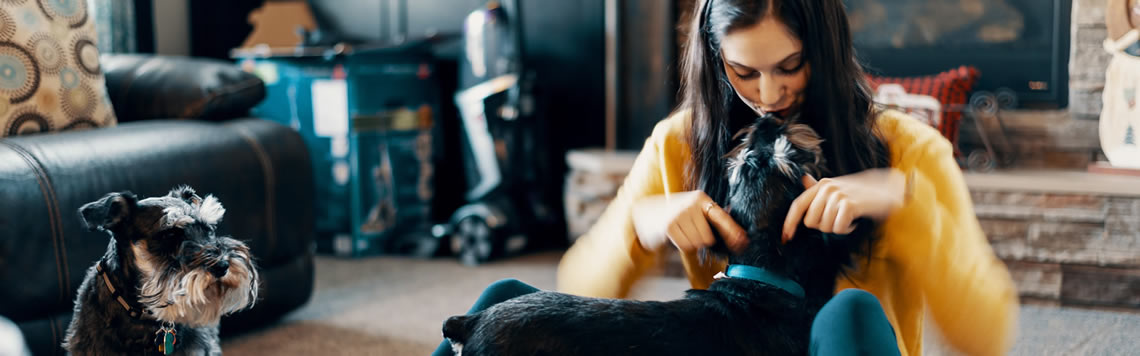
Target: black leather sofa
{"type": "Point", "coordinates": [259, 170]}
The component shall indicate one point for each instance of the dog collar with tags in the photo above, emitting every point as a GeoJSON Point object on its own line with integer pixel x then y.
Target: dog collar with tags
{"type": "Point", "coordinates": [165, 338]}
{"type": "Point", "coordinates": [764, 276]}
{"type": "Point", "coordinates": [133, 308]}
{"type": "Point", "coordinates": [166, 335]}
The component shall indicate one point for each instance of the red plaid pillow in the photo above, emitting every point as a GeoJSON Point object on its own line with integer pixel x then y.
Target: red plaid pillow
{"type": "Point", "coordinates": [951, 88]}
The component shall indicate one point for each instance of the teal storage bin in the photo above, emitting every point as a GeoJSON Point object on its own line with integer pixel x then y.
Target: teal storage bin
{"type": "Point", "coordinates": [325, 96]}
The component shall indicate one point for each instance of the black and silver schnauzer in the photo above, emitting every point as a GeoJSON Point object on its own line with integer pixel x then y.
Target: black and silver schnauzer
{"type": "Point", "coordinates": [166, 278]}
{"type": "Point", "coordinates": [764, 306]}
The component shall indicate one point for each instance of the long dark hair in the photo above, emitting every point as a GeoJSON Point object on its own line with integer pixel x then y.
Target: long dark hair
{"type": "Point", "coordinates": [837, 103]}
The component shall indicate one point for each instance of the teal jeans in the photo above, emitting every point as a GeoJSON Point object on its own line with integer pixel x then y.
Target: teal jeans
{"type": "Point", "coordinates": [851, 323]}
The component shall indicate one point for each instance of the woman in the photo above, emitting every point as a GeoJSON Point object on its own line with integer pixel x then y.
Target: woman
{"type": "Point", "coordinates": [795, 58]}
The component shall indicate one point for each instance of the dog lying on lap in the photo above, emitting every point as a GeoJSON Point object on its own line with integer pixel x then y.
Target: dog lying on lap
{"type": "Point", "coordinates": [765, 306]}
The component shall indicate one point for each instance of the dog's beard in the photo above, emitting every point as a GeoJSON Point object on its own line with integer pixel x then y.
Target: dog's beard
{"type": "Point", "coordinates": [456, 347]}
{"type": "Point", "coordinates": [195, 297]}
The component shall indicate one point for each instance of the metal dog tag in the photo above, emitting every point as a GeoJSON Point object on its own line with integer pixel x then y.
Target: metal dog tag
{"type": "Point", "coordinates": [165, 338]}
{"type": "Point", "coordinates": [168, 341]}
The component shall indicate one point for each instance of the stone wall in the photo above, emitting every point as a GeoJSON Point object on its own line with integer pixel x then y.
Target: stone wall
{"type": "Point", "coordinates": [1068, 249]}
{"type": "Point", "coordinates": [1088, 60]}
{"type": "Point", "coordinates": [591, 183]}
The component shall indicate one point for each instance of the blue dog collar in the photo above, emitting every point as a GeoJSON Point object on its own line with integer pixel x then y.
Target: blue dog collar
{"type": "Point", "coordinates": [765, 276]}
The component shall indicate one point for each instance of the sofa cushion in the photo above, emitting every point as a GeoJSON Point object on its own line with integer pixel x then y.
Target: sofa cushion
{"type": "Point", "coordinates": [50, 77]}
{"type": "Point", "coordinates": [166, 87]}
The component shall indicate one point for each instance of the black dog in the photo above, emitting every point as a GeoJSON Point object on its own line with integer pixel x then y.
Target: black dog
{"type": "Point", "coordinates": [766, 306]}
{"type": "Point", "coordinates": [165, 281]}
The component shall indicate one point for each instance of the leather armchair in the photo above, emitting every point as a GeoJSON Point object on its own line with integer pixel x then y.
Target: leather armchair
{"type": "Point", "coordinates": [258, 169]}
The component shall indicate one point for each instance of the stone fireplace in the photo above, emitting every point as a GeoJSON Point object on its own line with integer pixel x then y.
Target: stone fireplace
{"type": "Point", "coordinates": [1066, 138]}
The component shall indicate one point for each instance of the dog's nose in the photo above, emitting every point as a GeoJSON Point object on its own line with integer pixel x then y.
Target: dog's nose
{"type": "Point", "coordinates": [219, 269]}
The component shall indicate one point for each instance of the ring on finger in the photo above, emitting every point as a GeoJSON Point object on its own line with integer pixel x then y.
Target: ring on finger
{"type": "Point", "coordinates": [709, 206]}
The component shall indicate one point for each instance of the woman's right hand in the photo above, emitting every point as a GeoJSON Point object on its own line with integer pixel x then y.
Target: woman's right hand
{"type": "Point", "coordinates": [684, 219]}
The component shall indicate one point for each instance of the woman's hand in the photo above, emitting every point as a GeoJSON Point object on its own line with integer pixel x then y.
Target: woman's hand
{"type": "Point", "coordinates": [684, 219]}
{"type": "Point", "coordinates": [831, 205]}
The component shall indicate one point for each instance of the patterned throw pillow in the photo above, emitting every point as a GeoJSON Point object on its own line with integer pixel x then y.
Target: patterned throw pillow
{"type": "Point", "coordinates": [50, 79]}
{"type": "Point", "coordinates": [952, 88]}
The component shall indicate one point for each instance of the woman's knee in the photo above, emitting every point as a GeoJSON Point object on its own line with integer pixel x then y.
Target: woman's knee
{"type": "Point", "coordinates": [509, 286]}
{"type": "Point", "coordinates": [851, 307]}
{"type": "Point", "coordinates": [500, 291]}
{"type": "Point", "coordinates": [853, 323]}
{"type": "Point", "coordinates": [853, 300]}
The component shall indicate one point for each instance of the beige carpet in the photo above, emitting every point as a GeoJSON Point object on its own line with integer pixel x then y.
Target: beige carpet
{"type": "Point", "coordinates": [395, 306]}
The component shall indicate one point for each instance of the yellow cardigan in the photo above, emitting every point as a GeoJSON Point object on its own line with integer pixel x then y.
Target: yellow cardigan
{"type": "Point", "coordinates": [932, 252]}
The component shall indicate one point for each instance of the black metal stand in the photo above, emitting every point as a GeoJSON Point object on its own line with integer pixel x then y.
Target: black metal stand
{"type": "Point", "coordinates": [984, 109]}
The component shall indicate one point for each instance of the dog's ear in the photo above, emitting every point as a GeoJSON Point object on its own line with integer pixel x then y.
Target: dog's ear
{"type": "Point", "coordinates": [210, 210]}
{"type": "Point", "coordinates": [804, 138]}
{"type": "Point", "coordinates": [187, 195]}
{"type": "Point", "coordinates": [109, 211]}
{"type": "Point", "coordinates": [457, 328]}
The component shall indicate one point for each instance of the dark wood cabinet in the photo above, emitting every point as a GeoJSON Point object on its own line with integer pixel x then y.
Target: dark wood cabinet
{"type": "Point", "coordinates": [646, 55]}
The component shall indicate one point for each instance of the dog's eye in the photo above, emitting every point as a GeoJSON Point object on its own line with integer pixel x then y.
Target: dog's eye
{"type": "Point", "coordinates": [171, 234]}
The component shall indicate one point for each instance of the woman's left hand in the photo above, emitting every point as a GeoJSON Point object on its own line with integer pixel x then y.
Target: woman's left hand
{"type": "Point", "coordinates": [831, 205]}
